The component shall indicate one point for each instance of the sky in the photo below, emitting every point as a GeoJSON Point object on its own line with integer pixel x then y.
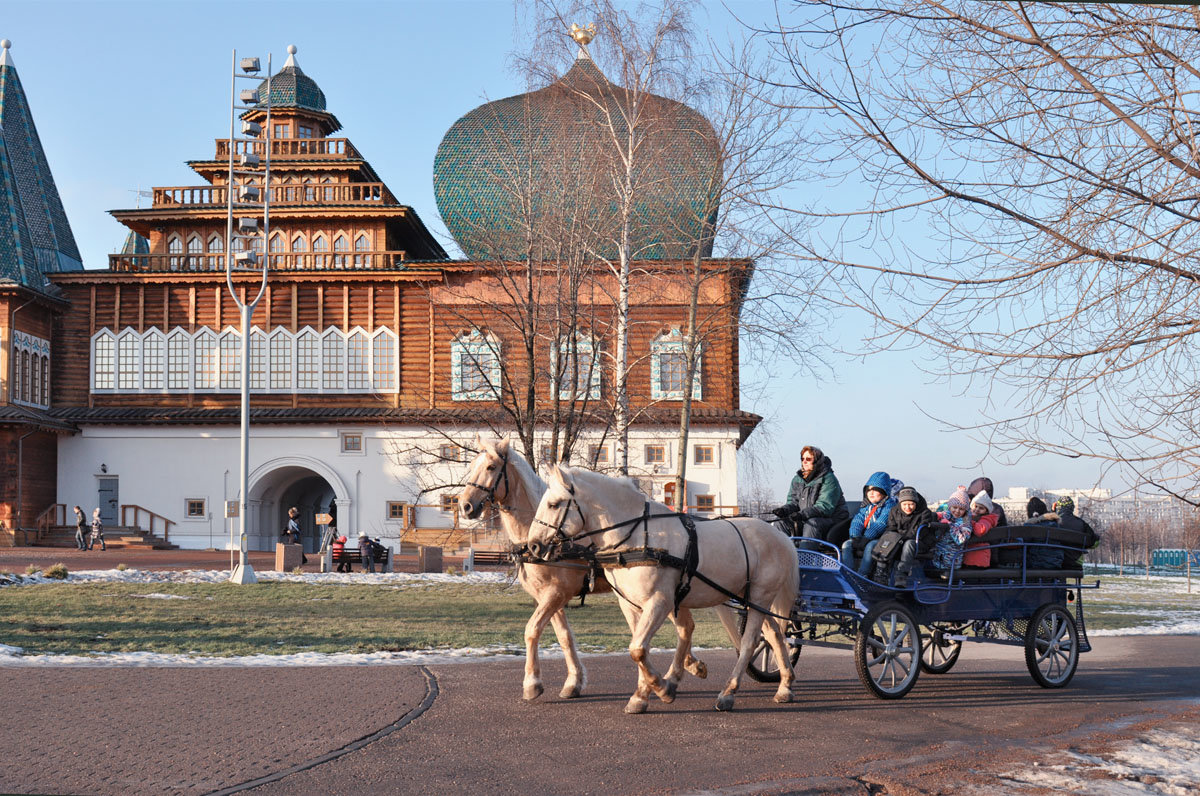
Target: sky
{"type": "Point", "coordinates": [123, 93]}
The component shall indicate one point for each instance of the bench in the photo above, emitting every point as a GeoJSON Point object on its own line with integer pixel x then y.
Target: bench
{"type": "Point", "coordinates": [1010, 546]}
{"type": "Point", "coordinates": [492, 557]}
{"type": "Point", "coordinates": [353, 555]}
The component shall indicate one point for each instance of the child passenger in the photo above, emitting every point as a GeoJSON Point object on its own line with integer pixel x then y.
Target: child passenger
{"type": "Point", "coordinates": [948, 553]}
{"type": "Point", "coordinates": [867, 525]}
{"type": "Point", "coordinates": [983, 519]}
{"type": "Point", "coordinates": [906, 522]}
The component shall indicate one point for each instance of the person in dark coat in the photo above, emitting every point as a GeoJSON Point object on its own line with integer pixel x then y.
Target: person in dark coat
{"type": "Point", "coordinates": [367, 551]}
{"type": "Point", "coordinates": [815, 502]}
{"type": "Point", "coordinates": [984, 484]}
{"type": "Point", "coordinates": [293, 531]}
{"type": "Point", "coordinates": [1064, 507]}
{"type": "Point", "coordinates": [879, 499]}
{"type": "Point", "coordinates": [906, 520]}
{"type": "Point", "coordinates": [80, 529]}
{"type": "Point", "coordinates": [1041, 556]}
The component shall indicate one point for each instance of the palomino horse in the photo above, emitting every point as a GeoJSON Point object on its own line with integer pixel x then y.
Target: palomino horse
{"type": "Point", "coordinates": [657, 560]}
{"type": "Point", "coordinates": [499, 474]}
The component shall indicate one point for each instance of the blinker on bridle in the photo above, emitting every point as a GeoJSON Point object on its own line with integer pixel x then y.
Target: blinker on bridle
{"type": "Point", "coordinates": [559, 536]}
{"type": "Point", "coordinates": [501, 477]}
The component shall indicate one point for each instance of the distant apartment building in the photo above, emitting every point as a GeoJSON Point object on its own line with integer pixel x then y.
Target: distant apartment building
{"type": "Point", "coordinates": [1101, 509]}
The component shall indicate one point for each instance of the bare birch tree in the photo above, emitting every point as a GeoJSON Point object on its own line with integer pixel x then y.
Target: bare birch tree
{"type": "Point", "coordinates": [1015, 186]}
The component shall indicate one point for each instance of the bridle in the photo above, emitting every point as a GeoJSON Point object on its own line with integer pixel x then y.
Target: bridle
{"type": "Point", "coordinates": [559, 536]}
{"type": "Point", "coordinates": [501, 478]}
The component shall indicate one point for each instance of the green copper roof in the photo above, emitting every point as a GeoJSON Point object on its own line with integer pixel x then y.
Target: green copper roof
{"type": "Point", "coordinates": [544, 160]}
{"type": "Point", "coordinates": [291, 88]}
{"type": "Point", "coordinates": [135, 244]}
{"type": "Point", "coordinates": [35, 238]}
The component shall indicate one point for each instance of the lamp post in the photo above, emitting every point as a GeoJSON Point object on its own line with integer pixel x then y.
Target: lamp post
{"type": "Point", "coordinates": [245, 199]}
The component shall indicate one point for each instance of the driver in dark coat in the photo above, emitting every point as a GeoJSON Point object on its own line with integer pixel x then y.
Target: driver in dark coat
{"type": "Point", "coordinates": [815, 502]}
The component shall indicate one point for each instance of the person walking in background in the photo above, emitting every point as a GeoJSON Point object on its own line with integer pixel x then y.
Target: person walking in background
{"type": "Point", "coordinates": [80, 529]}
{"type": "Point", "coordinates": [97, 531]}
{"type": "Point", "coordinates": [367, 551]}
{"type": "Point", "coordinates": [293, 531]}
{"type": "Point", "coordinates": [338, 548]}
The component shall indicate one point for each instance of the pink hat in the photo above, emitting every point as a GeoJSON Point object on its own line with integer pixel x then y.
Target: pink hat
{"type": "Point", "coordinates": [959, 499]}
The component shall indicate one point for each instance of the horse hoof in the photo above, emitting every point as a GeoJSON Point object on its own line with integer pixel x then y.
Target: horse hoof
{"type": "Point", "coordinates": [699, 669]}
{"type": "Point", "coordinates": [725, 702]}
{"type": "Point", "coordinates": [570, 691]}
{"type": "Point", "coordinates": [635, 705]}
{"type": "Point", "coordinates": [668, 693]}
{"type": "Point", "coordinates": [532, 692]}
{"type": "Point", "coordinates": [783, 698]}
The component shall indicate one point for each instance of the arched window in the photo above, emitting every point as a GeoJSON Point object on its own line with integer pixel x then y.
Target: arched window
{"type": "Point", "coordinates": [383, 361]}
{"type": "Point", "coordinates": [204, 348]}
{"type": "Point", "coordinates": [277, 245]}
{"type": "Point", "coordinates": [333, 354]}
{"type": "Point", "coordinates": [362, 244]}
{"type": "Point", "coordinates": [103, 362]}
{"type": "Point", "coordinates": [310, 193]}
{"type": "Point", "coordinates": [45, 400]}
{"type": "Point", "coordinates": [258, 359]}
{"type": "Point", "coordinates": [179, 370]}
{"type": "Point", "coordinates": [281, 360]}
{"type": "Point", "coordinates": [34, 363]}
{"type": "Point", "coordinates": [340, 244]}
{"type": "Point", "coordinates": [328, 189]}
{"type": "Point", "coordinates": [320, 246]}
{"type": "Point", "coordinates": [128, 356]}
{"type": "Point", "coordinates": [308, 361]}
{"type": "Point", "coordinates": [475, 367]}
{"type": "Point", "coordinates": [231, 360]}
{"type": "Point", "coordinates": [174, 248]}
{"type": "Point", "coordinates": [668, 368]}
{"type": "Point", "coordinates": [358, 363]}
{"type": "Point", "coordinates": [216, 243]}
{"type": "Point", "coordinates": [152, 360]}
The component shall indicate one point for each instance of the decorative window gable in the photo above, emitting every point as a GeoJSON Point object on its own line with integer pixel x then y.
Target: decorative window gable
{"type": "Point", "coordinates": [475, 367]}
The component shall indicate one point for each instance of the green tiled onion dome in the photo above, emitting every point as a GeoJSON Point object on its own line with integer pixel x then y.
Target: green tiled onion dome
{"type": "Point", "coordinates": [291, 88]}
{"type": "Point", "coordinates": [548, 155]}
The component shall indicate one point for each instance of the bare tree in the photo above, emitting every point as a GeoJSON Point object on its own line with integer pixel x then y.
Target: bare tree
{"type": "Point", "coordinates": [1017, 190]}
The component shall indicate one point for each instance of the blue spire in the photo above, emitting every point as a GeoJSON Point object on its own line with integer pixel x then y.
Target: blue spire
{"type": "Point", "coordinates": [35, 237]}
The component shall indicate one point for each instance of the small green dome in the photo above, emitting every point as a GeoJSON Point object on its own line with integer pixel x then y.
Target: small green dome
{"type": "Point", "coordinates": [291, 88]}
{"type": "Point", "coordinates": [548, 155]}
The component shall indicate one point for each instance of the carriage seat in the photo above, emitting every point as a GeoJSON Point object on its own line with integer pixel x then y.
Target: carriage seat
{"type": "Point", "coordinates": [1008, 541]}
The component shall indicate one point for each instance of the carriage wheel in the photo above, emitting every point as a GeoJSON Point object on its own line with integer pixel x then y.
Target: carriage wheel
{"type": "Point", "coordinates": [1052, 646]}
{"type": "Point", "coordinates": [938, 653]}
{"type": "Point", "coordinates": [887, 651]}
{"type": "Point", "coordinates": [763, 667]}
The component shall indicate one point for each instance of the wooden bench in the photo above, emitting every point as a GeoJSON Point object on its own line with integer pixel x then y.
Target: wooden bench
{"type": "Point", "coordinates": [492, 557]}
{"type": "Point", "coordinates": [353, 555]}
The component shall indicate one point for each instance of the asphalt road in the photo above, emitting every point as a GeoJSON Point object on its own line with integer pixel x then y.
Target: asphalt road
{"type": "Point", "coordinates": [463, 727]}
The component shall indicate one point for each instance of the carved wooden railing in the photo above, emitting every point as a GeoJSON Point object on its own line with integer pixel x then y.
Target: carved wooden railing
{"type": "Point", "coordinates": [279, 261]}
{"type": "Point", "coordinates": [56, 514]}
{"type": "Point", "coordinates": [137, 519]}
{"type": "Point", "coordinates": [291, 148]}
{"type": "Point", "coordinates": [286, 194]}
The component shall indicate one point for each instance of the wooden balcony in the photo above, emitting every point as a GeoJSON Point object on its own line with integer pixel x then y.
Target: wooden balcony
{"type": "Point", "coordinates": [292, 148]}
{"type": "Point", "coordinates": [285, 195]}
{"type": "Point", "coordinates": [279, 261]}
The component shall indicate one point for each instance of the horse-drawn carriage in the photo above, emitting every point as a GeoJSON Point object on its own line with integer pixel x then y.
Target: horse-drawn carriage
{"type": "Point", "coordinates": [896, 633]}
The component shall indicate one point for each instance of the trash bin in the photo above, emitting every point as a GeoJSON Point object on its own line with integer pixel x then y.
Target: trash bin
{"type": "Point", "coordinates": [429, 559]}
{"type": "Point", "coordinates": [288, 556]}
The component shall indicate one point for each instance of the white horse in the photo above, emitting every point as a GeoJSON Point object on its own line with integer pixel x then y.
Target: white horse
{"type": "Point", "coordinates": [741, 556]}
{"type": "Point", "coordinates": [501, 475]}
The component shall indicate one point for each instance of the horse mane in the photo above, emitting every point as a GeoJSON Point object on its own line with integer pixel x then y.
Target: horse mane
{"type": "Point", "coordinates": [535, 487]}
{"type": "Point", "coordinates": [593, 480]}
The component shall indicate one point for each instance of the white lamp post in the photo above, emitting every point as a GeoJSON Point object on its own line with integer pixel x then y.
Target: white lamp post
{"type": "Point", "coordinates": [247, 200]}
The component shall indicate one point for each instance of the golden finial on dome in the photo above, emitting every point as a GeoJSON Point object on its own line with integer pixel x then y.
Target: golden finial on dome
{"type": "Point", "coordinates": [583, 36]}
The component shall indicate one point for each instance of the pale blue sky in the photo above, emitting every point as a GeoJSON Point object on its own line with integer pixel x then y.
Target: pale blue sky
{"type": "Point", "coordinates": [124, 92]}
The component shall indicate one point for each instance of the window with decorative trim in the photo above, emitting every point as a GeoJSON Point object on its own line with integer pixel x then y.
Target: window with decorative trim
{"type": "Point", "coordinates": [358, 363]}
{"type": "Point", "coordinates": [281, 360]}
{"type": "Point", "coordinates": [577, 369]}
{"type": "Point", "coordinates": [128, 361]}
{"type": "Point", "coordinates": [103, 362]}
{"type": "Point", "coordinates": [333, 349]}
{"type": "Point", "coordinates": [204, 346]}
{"type": "Point", "coordinates": [668, 368]}
{"type": "Point", "coordinates": [475, 367]}
{"type": "Point", "coordinates": [704, 455]}
{"type": "Point", "coordinates": [308, 361]}
{"type": "Point", "coordinates": [179, 360]}
{"type": "Point", "coordinates": [258, 359]}
{"type": "Point", "coordinates": [298, 244]}
{"type": "Point", "coordinates": [231, 360]}
{"type": "Point", "coordinates": [195, 508]}
{"type": "Point", "coordinates": [396, 510]}
{"type": "Point", "coordinates": [30, 370]}
{"type": "Point", "coordinates": [361, 244]}
{"type": "Point", "coordinates": [153, 365]}
{"type": "Point", "coordinates": [383, 361]}
{"type": "Point", "coordinates": [352, 442]}
{"type": "Point", "coordinates": [655, 454]}
{"type": "Point", "coordinates": [216, 244]}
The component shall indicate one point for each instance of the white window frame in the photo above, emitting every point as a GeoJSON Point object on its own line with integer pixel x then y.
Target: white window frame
{"type": "Point", "coordinates": [154, 361]}
{"type": "Point", "coordinates": [358, 360]}
{"type": "Point", "coordinates": [175, 366]}
{"type": "Point", "coordinates": [203, 515]}
{"type": "Point", "coordinates": [716, 454]}
{"type": "Point", "coordinates": [384, 351]}
{"type": "Point", "coordinates": [585, 351]}
{"type": "Point", "coordinates": [129, 361]}
{"type": "Point", "coordinates": [671, 342]}
{"type": "Point", "coordinates": [347, 438]}
{"type": "Point", "coordinates": [466, 350]}
{"type": "Point", "coordinates": [31, 382]}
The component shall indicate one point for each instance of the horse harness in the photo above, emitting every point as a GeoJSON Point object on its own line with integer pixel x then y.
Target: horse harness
{"type": "Point", "coordinates": [615, 556]}
{"type": "Point", "coordinates": [501, 477]}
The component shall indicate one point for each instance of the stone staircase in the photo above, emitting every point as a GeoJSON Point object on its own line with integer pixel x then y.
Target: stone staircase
{"type": "Point", "coordinates": [117, 537]}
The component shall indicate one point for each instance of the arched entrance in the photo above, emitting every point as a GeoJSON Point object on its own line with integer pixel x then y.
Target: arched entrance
{"type": "Point", "coordinates": [306, 484]}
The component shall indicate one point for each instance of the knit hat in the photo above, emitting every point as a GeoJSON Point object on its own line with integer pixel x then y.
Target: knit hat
{"type": "Point", "coordinates": [982, 499]}
{"type": "Point", "coordinates": [1035, 507]}
{"type": "Point", "coordinates": [907, 493]}
{"type": "Point", "coordinates": [363, 535]}
{"type": "Point", "coordinates": [1065, 504]}
{"type": "Point", "coordinates": [959, 499]}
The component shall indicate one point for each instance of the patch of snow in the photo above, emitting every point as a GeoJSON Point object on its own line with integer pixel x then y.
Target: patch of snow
{"type": "Point", "coordinates": [1178, 627]}
{"type": "Point", "coordinates": [1163, 761]}
{"type": "Point", "coordinates": [160, 596]}
{"type": "Point", "coordinates": [396, 579]}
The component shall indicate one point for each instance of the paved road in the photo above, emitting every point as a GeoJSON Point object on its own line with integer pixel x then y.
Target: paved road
{"type": "Point", "coordinates": [463, 728]}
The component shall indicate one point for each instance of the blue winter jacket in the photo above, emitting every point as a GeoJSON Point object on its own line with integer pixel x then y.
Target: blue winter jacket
{"type": "Point", "coordinates": [874, 528]}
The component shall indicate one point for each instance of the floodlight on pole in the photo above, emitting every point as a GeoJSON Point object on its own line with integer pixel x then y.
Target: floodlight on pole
{"type": "Point", "coordinates": [246, 200]}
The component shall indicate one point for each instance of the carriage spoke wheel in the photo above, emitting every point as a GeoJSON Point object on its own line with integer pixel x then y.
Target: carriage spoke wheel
{"type": "Point", "coordinates": [763, 667]}
{"type": "Point", "coordinates": [938, 653]}
{"type": "Point", "coordinates": [1052, 646]}
{"type": "Point", "coordinates": [887, 651]}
